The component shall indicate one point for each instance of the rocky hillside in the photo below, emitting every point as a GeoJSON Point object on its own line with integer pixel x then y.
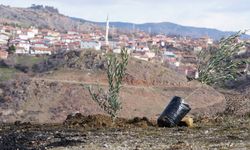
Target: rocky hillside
{"type": "Point", "coordinates": [43, 17]}
{"type": "Point", "coordinates": [52, 94]}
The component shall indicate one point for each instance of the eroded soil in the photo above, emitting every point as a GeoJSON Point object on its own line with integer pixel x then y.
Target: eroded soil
{"type": "Point", "coordinates": [209, 133]}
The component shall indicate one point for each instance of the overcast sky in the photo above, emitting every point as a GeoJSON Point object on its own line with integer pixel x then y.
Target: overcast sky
{"type": "Point", "coordinates": [220, 14]}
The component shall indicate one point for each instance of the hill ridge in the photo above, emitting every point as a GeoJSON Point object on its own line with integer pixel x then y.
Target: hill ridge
{"type": "Point", "coordinates": [49, 17]}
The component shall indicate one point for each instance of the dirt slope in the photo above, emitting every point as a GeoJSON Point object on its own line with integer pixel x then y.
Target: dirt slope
{"type": "Point", "coordinates": [51, 96]}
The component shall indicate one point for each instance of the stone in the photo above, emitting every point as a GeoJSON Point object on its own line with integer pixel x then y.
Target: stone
{"type": "Point", "coordinates": [187, 121]}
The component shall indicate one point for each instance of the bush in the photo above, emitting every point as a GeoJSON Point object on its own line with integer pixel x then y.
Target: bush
{"type": "Point", "coordinates": [11, 49]}
{"type": "Point", "coordinates": [109, 100]}
{"type": "Point", "coordinates": [221, 66]}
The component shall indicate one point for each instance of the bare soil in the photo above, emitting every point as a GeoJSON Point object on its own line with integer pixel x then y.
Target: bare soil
{"type": "Point", "coordinates": [58, 88]}
{"type": "Point", "coordinates": [96, 133]}
{"type": "Point", "coordinates": [49, 100]}
{"type": "Point", "coordinates": [34, 110]}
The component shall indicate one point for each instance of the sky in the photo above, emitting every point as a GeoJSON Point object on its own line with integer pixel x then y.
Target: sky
{"type": "Point", "coordinates": [226, 15]}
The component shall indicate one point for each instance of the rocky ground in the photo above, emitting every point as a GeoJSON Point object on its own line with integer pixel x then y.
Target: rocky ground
{"type": "Point", "coordinates": [208, 133]}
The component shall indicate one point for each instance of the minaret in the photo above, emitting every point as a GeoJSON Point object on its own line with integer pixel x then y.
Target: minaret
{"type": "Point", "coordinates": [107, 31]}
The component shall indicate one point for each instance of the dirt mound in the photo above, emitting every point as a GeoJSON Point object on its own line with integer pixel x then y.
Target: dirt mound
{"type": "Point", "coordinates": [103, 121]}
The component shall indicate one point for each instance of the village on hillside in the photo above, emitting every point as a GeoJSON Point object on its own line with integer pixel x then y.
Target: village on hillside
{"type": "Point", "coordinates": [176, 52]}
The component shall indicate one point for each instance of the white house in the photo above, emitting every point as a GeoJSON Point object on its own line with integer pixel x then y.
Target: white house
{"type": "Point", "coordinates": [23, 36]}
{"type": "Point", "coordinates": [40, 51]}
{"type": "Point", "coordinates": [34, 30]}
{"type": "Point", "coordinates": [72, 32]}
{"type": "Point", "coordinates": [21, 50]}
{"type": "Point", "coordinates": [25, 45]}
{"type": "Point", "coordinates": [52, 38]}
{"type": "Point", "coordinates": [242, 50]}
{"type": "Point", "coordinates": [39, 45]}
{"type": "Point", "coordinates": [4, 36]}
{"type": "Point", "coordinates": [91, 45]}
{"type": "Point", "coordinates": [197, 49]}
{"type": "Point", "coordinates": [4, 39]}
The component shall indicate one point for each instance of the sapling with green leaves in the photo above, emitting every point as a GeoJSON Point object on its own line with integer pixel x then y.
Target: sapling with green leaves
{"type": "Point", "coordinates": [221, 66]}
{"type": "Point", "coordinates": [109, 100]}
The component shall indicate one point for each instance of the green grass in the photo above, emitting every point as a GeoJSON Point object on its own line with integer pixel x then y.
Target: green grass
{"type": "Point", "coordinates": [7, 73]}
{"type": "Point", "coordinates": [29, 60]}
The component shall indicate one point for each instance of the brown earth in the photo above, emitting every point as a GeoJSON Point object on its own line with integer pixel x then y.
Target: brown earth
{"type": "Point", "coordinates": [51, 100]}
{"type": "Point", "coordinates": [103, 121]}
{"type": "Point", "coordinates": [96, 133]}
{"type": "Point", "coordinates": [49, 96]}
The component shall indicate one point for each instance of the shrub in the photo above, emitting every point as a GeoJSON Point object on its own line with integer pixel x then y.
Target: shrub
{"type": "Point", "coordinates": [221, 66]}
{"type": "Point", "coordinates": [109, 100]}
{"type": "Point", "coordinates": [11, 49]}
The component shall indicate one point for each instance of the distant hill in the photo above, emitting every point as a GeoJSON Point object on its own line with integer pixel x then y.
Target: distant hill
{"type": "Point", "coordinates": [172, 29]}
{"type": "Point", "coordinates": [41, 16]}
{"type": "Point", "coordinates": [49, 17]}
{"type": "Point", "coordinates": [169, 29]}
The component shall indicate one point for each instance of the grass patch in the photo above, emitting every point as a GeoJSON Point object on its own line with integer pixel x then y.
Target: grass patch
{"type": "Point", "coordinates": [7, 73]}
{"type": "Point", "coordinates": [29, 60]}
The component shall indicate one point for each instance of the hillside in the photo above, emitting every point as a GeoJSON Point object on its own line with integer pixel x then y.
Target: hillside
{"type": "Point", "coordinates": [51, 94]}
{"type": "Point", "coordinates": [41, 17]}
{"type": "Point", "coordinates": [49, 17]}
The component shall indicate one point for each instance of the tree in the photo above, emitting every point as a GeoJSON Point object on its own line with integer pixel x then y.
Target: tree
{"type": "Point", "coordinates": [109, 100]}
{"type": "Point", "coordinates": [221, 66]}
{"type": "Point", "coordinates": [11, 49]}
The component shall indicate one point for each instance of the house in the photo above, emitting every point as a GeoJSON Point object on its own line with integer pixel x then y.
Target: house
{"type": "Point", "coordinates": [24, 44]}
{"type": "Point", "coordinates": [170, 58]}
{"type": "Point", "coordinates": [23, 36]}
{"type": "Point", "coordinates": [40, 51]}
{"type": "Point", "coordinates": [72, 32]}
{"type": "Point", "coordinates": [21, 50]}
{"type": "Point", "coordinates": [3, 54]}
{"type": "Point", "coordinates": [141, 49]}
{"type": "Point", "coordinates": [242, 50]}
{"type": "Point", "coordinates": [52, 39]}
{"type": "Point", "coordinates": [73, 45]}
{"type": "Point", "coordinates": [4, 38]}
{"type": "Point", "coordinates": [169, 54]}
{"type": "Point", "coordinates": [39, 45]}
{"type": "Point", "coordinates": [197, 49]}
{"type": "Point", "coordinates": [91, 45]}
{"type": "Point", "coordinates": [34, 30]}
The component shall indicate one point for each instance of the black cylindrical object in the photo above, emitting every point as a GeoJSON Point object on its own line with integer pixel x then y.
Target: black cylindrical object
{"type": "Point", "coordinates": [173, 113]}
